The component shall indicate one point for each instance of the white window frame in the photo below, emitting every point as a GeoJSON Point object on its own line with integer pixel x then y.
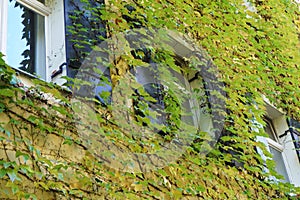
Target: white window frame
{"type": "Point", "coordinates": [275, 144]}
{"type": "Point", "coordinates": [3, 25]}
{"type": "Point", "coordinates": [36, 6]}
{"type": "Point", "coordinates": [53, 13]}
{"type": "Point", "coordinates": [283, 144]}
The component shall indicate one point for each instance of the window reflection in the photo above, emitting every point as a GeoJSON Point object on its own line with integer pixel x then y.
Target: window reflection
{"type": "Point", "coordinates": [25, 39]}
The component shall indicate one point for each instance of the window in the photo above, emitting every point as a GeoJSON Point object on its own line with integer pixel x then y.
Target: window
{"type": "Point", "coordinates": [296, 140]}
{"type": "Point", "coordinates": [280, 144]}
{"type": "Point", "coordinates": [294, 126]}
{"type": "Point", "coordinates": [157, 87]}
{"type": "Point", "coordinates": [25, 39]}
{"type": "Point", "coordinates": [84, 28]}
{"type": "Point", "coordinates": [154, 98]}
{"type": "Point", "coordinates": [276, 149]}
{"type": "Point", "coordinates": [161, 97]}
{"type": "Point", "coordinates": [30, 40]}
{"type": "Point", "coordinates": [172, 104]}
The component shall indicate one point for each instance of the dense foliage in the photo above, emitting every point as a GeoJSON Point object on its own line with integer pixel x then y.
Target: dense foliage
{"type": "Point", "coordinates": [255, 47]}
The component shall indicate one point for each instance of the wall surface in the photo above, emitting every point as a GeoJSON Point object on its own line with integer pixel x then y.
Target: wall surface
{"type": "Point", "coordinates": [45, 157]}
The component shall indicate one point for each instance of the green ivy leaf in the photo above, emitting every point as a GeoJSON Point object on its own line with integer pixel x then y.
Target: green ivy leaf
{"type": "Point", "coordinates": [2, 172]}
{"type": "Point", "coordinates": [7, 92]}
{"type": "Point", "coordinates": [24, 155]}
{"type": "Point", "coordinates": [12, 175]}
{"type": "Point", "coordinates": [6, 164]}
{"type": "Point", "coordinates": [15, 188]}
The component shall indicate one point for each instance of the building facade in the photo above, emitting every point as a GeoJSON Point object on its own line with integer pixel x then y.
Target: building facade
{"type": "Point", "coordinates": [38, 44]}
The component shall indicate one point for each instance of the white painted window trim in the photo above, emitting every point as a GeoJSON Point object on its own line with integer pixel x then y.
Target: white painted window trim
{"type": "Point", "coordinates": [284, 144]}
{"type": "Point", "coordinates": [275, 145]}
{"type": "Point", "coordinates": [3, 25]}
{"type": "Point", "coordinates": [53, 13]}
{"type": "Point", "coordinates": [279, 147]}
{"type": "Point", "coordinates": [268, 142]}
{"type": "Point", "coordinates": [36, 6]}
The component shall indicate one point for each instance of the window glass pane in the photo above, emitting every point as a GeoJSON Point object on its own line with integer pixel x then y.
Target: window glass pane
{"type": "Point", "coordinates": [278, 159]}
{"type": "Point", "coordinates": [25, 39]}
{"type": "Point", "coordinates": [270, 130]}
{"type": "Point", "coordinates": [156, 91]}
{"type": "Point", "coordinates": [146, 76]}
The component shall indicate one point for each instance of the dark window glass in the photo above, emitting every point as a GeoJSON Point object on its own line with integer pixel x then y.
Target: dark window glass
{"type": "Point", "coordinates": [84, 29]}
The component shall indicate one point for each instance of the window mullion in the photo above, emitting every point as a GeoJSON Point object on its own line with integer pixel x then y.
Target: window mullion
{"type": "Point", "coordinates": [275, 145]}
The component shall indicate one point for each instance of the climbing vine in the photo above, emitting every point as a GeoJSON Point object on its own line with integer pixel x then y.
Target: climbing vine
{"type": "Point", "coordinates": [254, 45]}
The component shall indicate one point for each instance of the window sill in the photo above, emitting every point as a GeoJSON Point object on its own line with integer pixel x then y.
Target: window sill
{"type": "Point", "coordinates": [26, 80]}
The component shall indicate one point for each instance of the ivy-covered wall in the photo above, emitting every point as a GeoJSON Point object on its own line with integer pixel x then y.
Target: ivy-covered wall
{"type": "Point", "coordinates": [254, 46]}
{"type": "Point", "coordinates": [43, 158]}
